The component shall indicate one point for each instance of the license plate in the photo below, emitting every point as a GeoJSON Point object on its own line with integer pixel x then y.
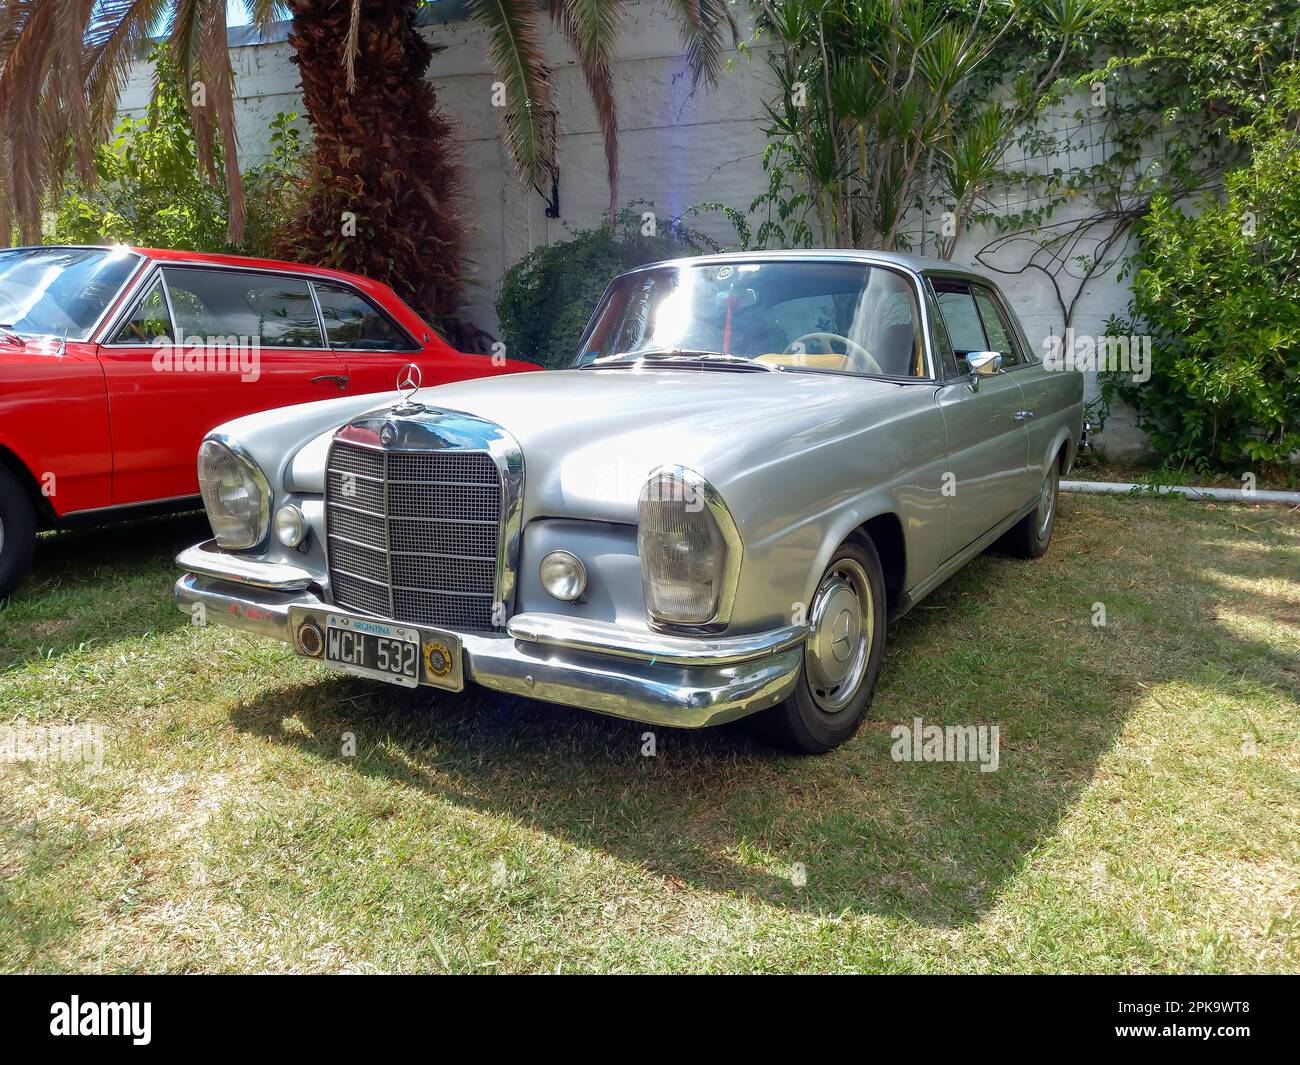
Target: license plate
{"type": "Point", "coordinates": [373, 649]}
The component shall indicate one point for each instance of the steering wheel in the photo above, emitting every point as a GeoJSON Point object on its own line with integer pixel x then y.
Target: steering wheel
{"type": "Point", "coordinates": [859, 356]}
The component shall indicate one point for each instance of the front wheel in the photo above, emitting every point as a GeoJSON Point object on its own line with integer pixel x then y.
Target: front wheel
{"type": "Point", "coordinates": [17, 532]}
{"type": "Point", "coordinates": [841, 657]}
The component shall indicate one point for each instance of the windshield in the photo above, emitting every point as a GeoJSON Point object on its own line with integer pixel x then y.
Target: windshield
{"type": "Point", "coordinates": [800, 315]}
{"type": "Point", "coordinates": [46, 291]}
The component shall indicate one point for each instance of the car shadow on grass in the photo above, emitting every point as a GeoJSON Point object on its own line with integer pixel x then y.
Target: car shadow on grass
{"type": "Point", "coordinates": [96, 583]}
{"type": "Point", "coordinates": [854, 831]}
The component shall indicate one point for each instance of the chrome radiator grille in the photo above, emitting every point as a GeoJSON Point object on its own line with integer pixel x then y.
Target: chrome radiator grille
{"type": "Point", "coordinates": [412, 535]}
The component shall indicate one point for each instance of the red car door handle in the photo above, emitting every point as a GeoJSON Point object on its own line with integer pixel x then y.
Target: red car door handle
{"type": "Point", "coordinates": [339, 379]}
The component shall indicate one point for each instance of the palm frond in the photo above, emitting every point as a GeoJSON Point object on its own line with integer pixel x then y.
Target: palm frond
{"type": "Point", "coordinates": [63, 66]}
{"type": "Point", "coordinates": [705, 26]}
{"type": "Point", "coordinates": [264, 12]}
{"type": "Point", "coordinates": [516, 56]}
{"type": "Point", "coordinates": [214, 56]}
{"type": "Point", "coordinates": [591, 28]}
{"type": "Point", "coordinates": [350, 46]}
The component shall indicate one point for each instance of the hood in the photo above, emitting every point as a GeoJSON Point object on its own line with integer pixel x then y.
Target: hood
{"type": "Point", "coordinates": [591, 437]}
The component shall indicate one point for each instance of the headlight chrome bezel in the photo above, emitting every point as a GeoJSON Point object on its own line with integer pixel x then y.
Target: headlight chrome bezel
{"type": "Point", "coordinates": [727, 580]}
{"type": "Point", "coordinates": [261, 489]}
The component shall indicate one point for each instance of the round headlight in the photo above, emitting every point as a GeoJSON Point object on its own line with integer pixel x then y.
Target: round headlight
{"type": "Point", "coordinates": [563, 576]}
{"type": "Point", "coordinates": [689, 546]}
{"type": "Point", "coordinates": [290, 526]}
{"type": "Point", "coordinates": [235, 494]}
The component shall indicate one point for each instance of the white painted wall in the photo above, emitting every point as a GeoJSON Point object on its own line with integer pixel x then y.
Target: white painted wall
{"type": "Point", "coordinates": [677, 148]}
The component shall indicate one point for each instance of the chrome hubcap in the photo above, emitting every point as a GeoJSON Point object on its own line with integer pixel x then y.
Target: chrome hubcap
{"type": "Point", "coordinates": [1046, 504]}
{"type": "Point", "coordinates": [839, 638]}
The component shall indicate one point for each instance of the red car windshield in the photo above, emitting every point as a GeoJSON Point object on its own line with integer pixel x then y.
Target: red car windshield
{"type": "Point", "coordinates": [58, 291]}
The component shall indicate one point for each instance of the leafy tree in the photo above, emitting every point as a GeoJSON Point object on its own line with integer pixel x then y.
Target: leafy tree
{"type": "Point", "coordinates": [150, 190]}
{"type": "Point", "coordinates": [1218, 290]}
{"type": "Point", "coordinates": [883, 112]}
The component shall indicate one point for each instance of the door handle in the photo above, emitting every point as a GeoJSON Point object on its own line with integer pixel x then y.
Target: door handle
{"type": "Point", "coordinates": [339, 379]}
{"type": "Point", "coordinates": [1022, 416]}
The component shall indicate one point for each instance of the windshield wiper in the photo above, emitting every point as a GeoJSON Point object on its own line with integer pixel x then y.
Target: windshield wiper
{"type": "Point", "coordinates": [634, 358]}
{"type": "Point", "coordinates": [8, 333]}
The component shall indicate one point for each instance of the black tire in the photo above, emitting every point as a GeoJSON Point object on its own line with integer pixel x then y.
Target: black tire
{"type": "Point", "coordinates": [1031, 535]}
{"type": "Point", "coordinates": [801, 723]}
{"type": "Point", "coordinates": [17, 532]}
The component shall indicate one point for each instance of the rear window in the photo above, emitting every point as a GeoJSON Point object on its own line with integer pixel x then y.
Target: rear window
{"type": "Point", "coordinates": [353, 323]}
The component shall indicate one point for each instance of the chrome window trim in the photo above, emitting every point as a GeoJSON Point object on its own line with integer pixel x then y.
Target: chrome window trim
{"type": "Point", "coordinates": [1007, 323]}
{"type": "Point", "coordinates": [731, 566]}
{"type": "Point", "coordinates": [171, 311]}
{"type": "Point", "coordinates": [418, 430]}
{"type": "Point", "coordinates": [320, 315]}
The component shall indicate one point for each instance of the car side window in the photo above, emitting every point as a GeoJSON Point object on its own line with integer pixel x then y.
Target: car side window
{"type": "Point", "coordinates": [148, 321]}
{"type": "Point", "coordinates": [996, 327]}
{"type": "Point", "coordinates": [962, 320]}
{"type": "Point", "coordinates": [947, 360]}
{"type": "Point", "coordinates": [352, 322]}
{"type": "Point", "coordinates": [276, 311]}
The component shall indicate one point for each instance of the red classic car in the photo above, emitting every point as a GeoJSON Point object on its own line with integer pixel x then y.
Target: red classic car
{"type": "Point", "coordinates": [114, 362]}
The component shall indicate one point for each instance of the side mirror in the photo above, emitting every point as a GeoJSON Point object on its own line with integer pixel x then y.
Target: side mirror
{"type": "Point", "coordinates": [982, 364]}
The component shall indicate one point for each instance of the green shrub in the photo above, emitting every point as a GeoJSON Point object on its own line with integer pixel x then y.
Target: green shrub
{"type": "Point", "coordinates": [1219, 293]}
{"type": "Point", "coordinates": [150, 192]}
{"type": "Point", "coordinates": [275, 188]}
{"type": "Point", "coordinates": [547, 297]}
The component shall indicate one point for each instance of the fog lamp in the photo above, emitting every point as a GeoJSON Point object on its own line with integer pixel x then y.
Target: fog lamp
{"type": "Point", "coordinates": [563, 576]}
{"type": "Point", "coordinates": [290, 526]}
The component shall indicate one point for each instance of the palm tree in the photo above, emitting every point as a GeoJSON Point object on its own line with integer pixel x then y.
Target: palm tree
{"type": "Point", "coordinates": [382, 149]}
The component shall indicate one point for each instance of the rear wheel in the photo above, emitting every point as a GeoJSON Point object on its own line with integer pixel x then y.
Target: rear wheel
{"type": "Point", "coordinates": [17, 532]}
{"type": "Point", "coordinates": [841, 657]}
{"type": "Point", "coordinates": [1030, 536]}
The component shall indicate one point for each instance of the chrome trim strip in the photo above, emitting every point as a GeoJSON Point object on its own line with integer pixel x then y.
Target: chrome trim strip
{"type": "Point", "coordinates": [177, 333]}
{"type": "Point", "coordinates": [609, 638]}
{"type": "Point", "coordinates": [320, 316]}
{"type": "Point", "coordinates": [208, 560]}
{"type": "Point", "coordinates": [196, 499]}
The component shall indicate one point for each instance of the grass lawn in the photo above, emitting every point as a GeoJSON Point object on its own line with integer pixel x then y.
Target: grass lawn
{"type": "Point", "coordinates": [1145, 815]}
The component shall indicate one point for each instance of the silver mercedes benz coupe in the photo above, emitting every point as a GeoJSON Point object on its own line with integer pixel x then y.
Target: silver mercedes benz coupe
{"type": "Point", "coordinates": [752, 464]}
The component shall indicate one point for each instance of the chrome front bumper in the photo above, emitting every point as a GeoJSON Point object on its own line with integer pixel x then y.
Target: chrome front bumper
{"type": "Point", "coordinates": [644, 676]}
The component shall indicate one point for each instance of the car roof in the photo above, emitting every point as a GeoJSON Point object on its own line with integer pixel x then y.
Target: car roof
{"type": "Point", "coordinates": [917, 264]}
{"type": "Point", "coordinates": [173, 255]}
